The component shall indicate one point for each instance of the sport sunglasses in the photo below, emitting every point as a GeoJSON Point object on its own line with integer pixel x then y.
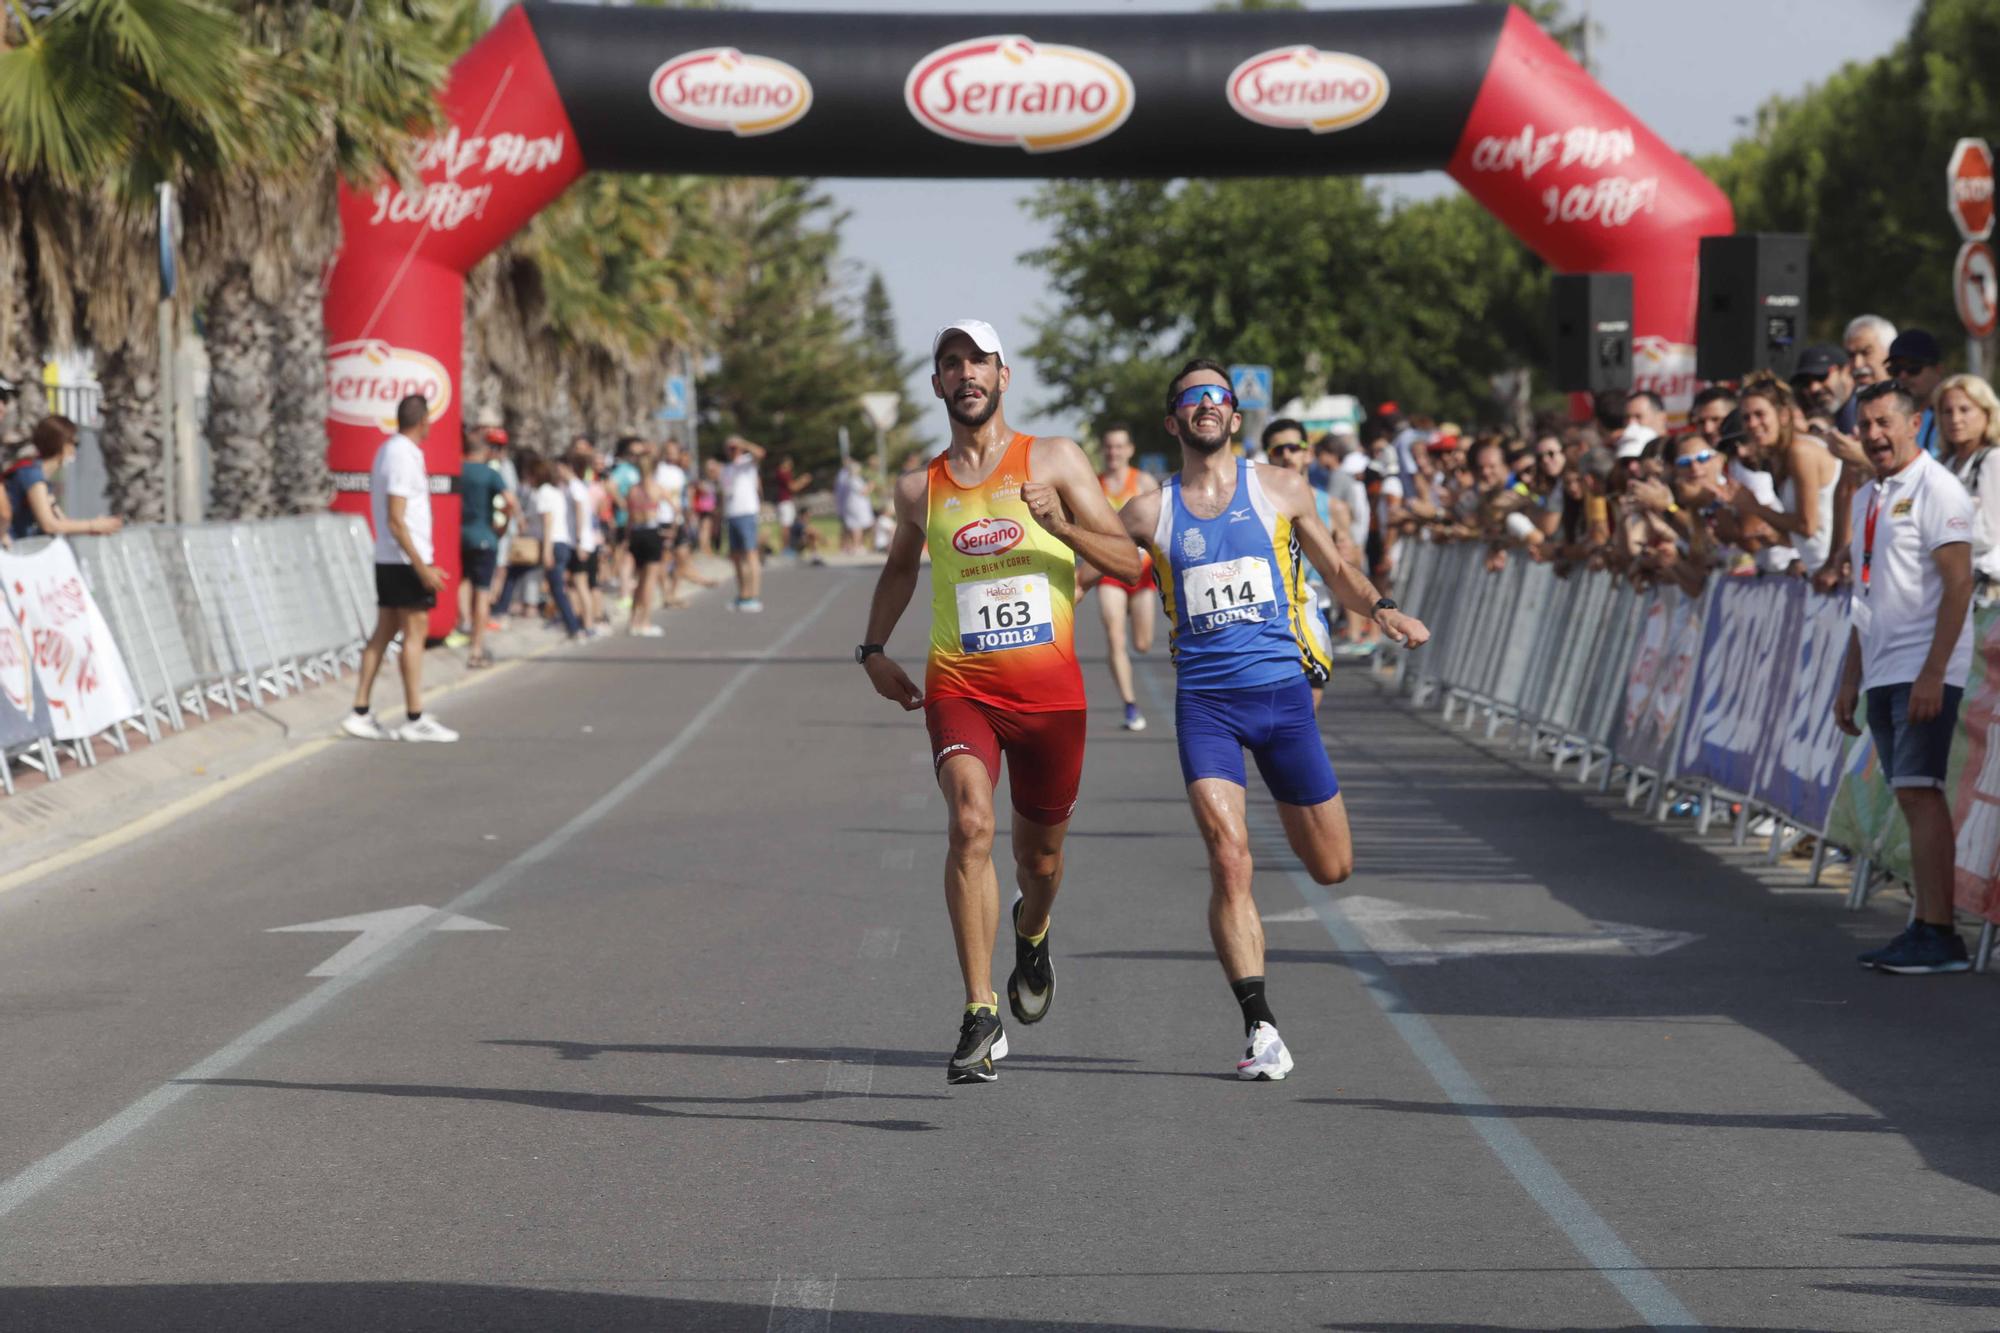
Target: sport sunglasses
{"type": "Point", "coordinates": [1690, 460]}
{"type": "Point", "coordinates": [1203, 393]}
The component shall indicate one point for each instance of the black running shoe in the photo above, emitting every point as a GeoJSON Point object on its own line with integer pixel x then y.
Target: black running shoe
{"type": "Point", "coordinates": [1031, 986]}
{"type": "Point", "coordinates": [981, 1041]}
{"type": "Point", "coordinates": [1926, 949]}
{"type": "Point", "coordinates": [1893, 946]}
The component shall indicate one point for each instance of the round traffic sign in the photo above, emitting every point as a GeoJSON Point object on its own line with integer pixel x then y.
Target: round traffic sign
{"type": "Point", "coordinates": [1975, 287]}
{"type": "Point", "coordinates": [1969, 185]}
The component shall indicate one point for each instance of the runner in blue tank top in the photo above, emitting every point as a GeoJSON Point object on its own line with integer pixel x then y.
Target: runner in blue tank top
{"type": "Point", "coordinates": [1230, 540]}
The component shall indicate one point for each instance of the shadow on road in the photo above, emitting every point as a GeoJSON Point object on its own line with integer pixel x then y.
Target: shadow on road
{"type": "Point", "coordinates": [1834, 1122]}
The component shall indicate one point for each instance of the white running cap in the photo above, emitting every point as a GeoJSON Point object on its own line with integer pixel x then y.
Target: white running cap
{"type": "Point", "coordinates": [1632, 441]}
{"type": "Point", "coordinates": [984, 336]}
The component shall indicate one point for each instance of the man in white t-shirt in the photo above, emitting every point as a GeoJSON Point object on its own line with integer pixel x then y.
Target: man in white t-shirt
{"type": "Point", "coordinates": [742, 505]}
{"type": "Point", "coordinates": [407, 583]}
{"type": "Point", "coordinates": [1911, 649]}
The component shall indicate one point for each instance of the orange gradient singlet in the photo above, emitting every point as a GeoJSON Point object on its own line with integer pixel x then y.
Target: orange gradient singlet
{"type": "Point", "coordinates": [1003, 595]}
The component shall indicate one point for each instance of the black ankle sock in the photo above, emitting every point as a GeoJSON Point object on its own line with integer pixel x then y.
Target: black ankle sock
{"type": "Point", "coordinates": [414, 717]}
{"type": "Point", "coordinates": [1250, 994]}
{"type": "Point", "coordinates": [361, 710]}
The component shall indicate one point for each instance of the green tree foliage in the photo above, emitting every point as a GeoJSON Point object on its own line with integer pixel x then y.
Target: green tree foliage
{"type": "Point", "coordinates": [1316, 277]}
{"type": "Point", "coordinates": [1858, 162]}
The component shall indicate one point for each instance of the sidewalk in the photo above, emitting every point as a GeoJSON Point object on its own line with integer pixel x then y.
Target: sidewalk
{"type": "Point", "coordinates": [45, 824]}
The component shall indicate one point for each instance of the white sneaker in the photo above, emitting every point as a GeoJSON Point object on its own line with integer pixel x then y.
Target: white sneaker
{"type": "Point", "coordinates": [428, 728]}
{"type": "Point", "coordinates": [649, 632]}
{"type": "Point", "coordinates": [750, 604]}
{"type": "Point", "coordinates": [364, 727]}
{"type": "Point", "coordinates": [1265, 1060]}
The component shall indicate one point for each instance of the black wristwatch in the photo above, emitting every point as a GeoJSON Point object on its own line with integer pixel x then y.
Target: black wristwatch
{"type": "Point", "coordinates": [863, 652]}
{"type": "Point", "coordinates": [1384, 604]}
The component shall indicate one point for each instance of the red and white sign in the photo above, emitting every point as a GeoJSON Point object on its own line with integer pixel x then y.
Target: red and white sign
{"type": "Point", "coordinates": [1304, 88]}
{"type": "Point", "coordinates": [721, 88]}
{"type": "Point", "coordinates": [1011, 92]}
{"type": "Point", "coordinates": [365, 380]}
{"type": "Point", "coordinates": [76, 660]}
{"type": "Point", "coordinates": [1975, 289]}
{"type": "Point", "coordinates": [988, 536]}
{"type": "Point", "coordinates": [1969, 180]}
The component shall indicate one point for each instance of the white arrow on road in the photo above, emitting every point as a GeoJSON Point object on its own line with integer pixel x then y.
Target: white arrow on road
{"type": "Point", "coordinates": [376, 930]}
{"type": "Point", "coordinates": [1382, 923]}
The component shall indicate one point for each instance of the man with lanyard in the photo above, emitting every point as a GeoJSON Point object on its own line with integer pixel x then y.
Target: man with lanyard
{"type": "Point", "coordinates": [1910, 649]}
{"type": "Point", "coordinates": [1123, 605]}
{"type": "Point", "coordinates": [1230, 540]}
{"type": "Point", "coordinates": [1004, 517]}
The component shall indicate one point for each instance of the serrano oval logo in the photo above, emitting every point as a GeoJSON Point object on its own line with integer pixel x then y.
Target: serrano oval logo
{"type": "Point", "coordinates": [366, 379]}
{"type": "Point", "coordinates": [988, 536]}
{"type": "Point", "coordinates": [720, 88]}
{"type": "Point", "coordinates": [1010, 92]}
{"type": "Point", "coordinates": [1304, 88]}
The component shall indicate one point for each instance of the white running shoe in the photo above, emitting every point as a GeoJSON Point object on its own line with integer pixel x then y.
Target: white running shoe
{"type": "Point", "coordinates": [426, 728]}
{"type": "Point", "coordinates": [649, 632]}
{"type": "Point", "coordinates": [1265, 1060]}
{"type": "Point", "coordinates": [364, 727]}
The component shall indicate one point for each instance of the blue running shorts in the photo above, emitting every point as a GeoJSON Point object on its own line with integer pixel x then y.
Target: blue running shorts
{"type": "Point", "coordinates": [1274, 722]}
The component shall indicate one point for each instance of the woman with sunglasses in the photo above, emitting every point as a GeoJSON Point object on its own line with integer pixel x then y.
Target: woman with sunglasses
{"type": "Point", "coordinates": [1805, 471]}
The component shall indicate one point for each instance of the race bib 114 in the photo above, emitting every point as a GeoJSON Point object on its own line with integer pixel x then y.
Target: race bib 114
{"type": "Point", "coordinates": [1229, 592]}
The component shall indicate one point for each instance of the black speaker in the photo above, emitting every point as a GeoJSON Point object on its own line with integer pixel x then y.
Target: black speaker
{"type": "Point", "coordinates": [1593, 334]}
{"type": "Point", "coordinates": [1753, 305]}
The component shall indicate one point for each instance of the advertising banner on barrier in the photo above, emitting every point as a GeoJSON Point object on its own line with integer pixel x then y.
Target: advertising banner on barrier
{"type": "Point", "coordinates": [1745, 667]}
{"type": "Point", "coordinates": [24, 713]}
{"type": "Point", "coordinates": [1800, 768]}
{"type": "Point", "coordinates": [76, 662]}
{"type": "Point", "coordinates": [1664, 653]}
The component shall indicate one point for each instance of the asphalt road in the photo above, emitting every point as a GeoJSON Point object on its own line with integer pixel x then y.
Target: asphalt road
{"type": "Point", "coordinates": [1558, 1068]}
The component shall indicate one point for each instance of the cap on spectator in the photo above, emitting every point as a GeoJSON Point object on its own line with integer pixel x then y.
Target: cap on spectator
{"type": "Point", "coordinates": [1731, 429]}
{"type": "Point", "coordinates": [1632, 441]}
{"type": "Point", "coordinates": [1918, 346]}
{"type": "Point", "coordinates": [1341, 428]}
{"type": "Point", "coordinates": [1387, 408]}
{"type": "Point", "coordinates": [1817, 360]}
{"type": "Point", "coordinates": [984, 336]}
{"type": "Point", "coordinates": [1355, 463]}
{"type": "Point", "coordinates": [1445, 441]}
{"type": "Point", "coordinates": [494, 434]}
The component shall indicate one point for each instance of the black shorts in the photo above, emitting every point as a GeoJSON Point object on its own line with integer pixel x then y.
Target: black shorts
{"type": "Point", "coordinates": [397, 588]}
{"type": "Point", "coordinates": [585, 565]}
{"type": "Point", "coordinates": [476, 564]}
{"type": "Point", "coordinates": [648, 546]}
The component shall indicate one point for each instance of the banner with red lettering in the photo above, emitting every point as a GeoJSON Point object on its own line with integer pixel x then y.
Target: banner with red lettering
{"type": "Point", "coordinates": [76, 663]}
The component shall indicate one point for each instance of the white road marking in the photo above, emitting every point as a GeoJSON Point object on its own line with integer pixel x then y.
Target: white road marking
{"type": "Point", "coordinates": [1297, 914]}
{"type": "Point", "coordinates": [898, 858]}
{"type": "Point", "coordinates": [377, 931]}
{"type": "Point", "coordinates": [853, 1072]}
{"type": "Point", "coordinates": [40, 1175]}
{"type": "Point", "coordinates": [880, 942]}
{"type": "Point", "coordinates": [801, 1304]}
{"type": "Point", "coordinates": [1380, 922]}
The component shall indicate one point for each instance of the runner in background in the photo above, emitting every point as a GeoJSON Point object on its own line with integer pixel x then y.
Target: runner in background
{"type": "Point", "coordinates": [1004, 517]}
{"type": "Point", "coordinates": [1120, 604]}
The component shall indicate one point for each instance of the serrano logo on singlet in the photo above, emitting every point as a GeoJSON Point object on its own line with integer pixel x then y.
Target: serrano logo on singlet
{"type": "Point", "coordinates": [1011, 92]}
{"type": "Point", "coordinates": [1304, 88]}
{"type": "Point", "coordinates": [365, 379]}
{"type": "Point", "coordinates": [720, 88]}
{"type": "Point", "coordinates": [988, 536]}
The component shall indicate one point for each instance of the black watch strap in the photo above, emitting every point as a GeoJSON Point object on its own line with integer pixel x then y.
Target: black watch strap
{"type": "Point", "coordinates": [864, 651]}
{"type": "Point", "coordinates": [1384, 604]}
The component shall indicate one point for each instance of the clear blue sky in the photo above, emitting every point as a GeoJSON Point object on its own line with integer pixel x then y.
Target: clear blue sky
{"type": "Point", "coordinates": [1694, 70]}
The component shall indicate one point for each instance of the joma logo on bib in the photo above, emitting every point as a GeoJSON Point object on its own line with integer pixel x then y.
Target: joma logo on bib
{"type": "Point", "coordinates": [1304, 88]}
{"type": "Point", "coordinates": [720, 88]}
{"type": "Point", "coordinates": [1010, 92]}
{"type": "Point", "coordinates": [988, 536]}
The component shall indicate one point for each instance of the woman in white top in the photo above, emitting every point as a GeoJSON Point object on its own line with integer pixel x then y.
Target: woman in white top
{"type": "Point", "coordinates": [1805, 472]}
{"type": "Point", "coordinates": [547, 512]}
{"type": "Point", "coordinates": [1968, 416]}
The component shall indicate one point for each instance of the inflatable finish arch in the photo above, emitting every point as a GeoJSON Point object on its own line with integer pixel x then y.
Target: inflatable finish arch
{"type": "Point", "coordinates": [557, 89]}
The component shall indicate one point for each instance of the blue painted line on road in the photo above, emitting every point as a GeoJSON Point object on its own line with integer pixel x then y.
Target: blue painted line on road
{"type": "Point", "coordinates": [38, 1177]}
{"type": "Point", "coordinates": [1593, 1237]}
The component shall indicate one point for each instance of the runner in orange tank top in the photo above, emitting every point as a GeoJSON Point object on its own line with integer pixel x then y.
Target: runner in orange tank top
{"type": "Point", "coordinates": [1120, 604]}
{"type": "Point", "coordinates": [1004, 517]}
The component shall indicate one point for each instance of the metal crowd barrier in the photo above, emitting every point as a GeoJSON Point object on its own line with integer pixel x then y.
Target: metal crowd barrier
{"type": "Point", "coordinates": [216, 616]}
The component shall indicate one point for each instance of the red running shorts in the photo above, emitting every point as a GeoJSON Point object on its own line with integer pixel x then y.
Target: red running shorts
{"type": "Point", "coordinates": [1146, 577]}
{"type": "Point", "coordinates": [1044, 751]}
